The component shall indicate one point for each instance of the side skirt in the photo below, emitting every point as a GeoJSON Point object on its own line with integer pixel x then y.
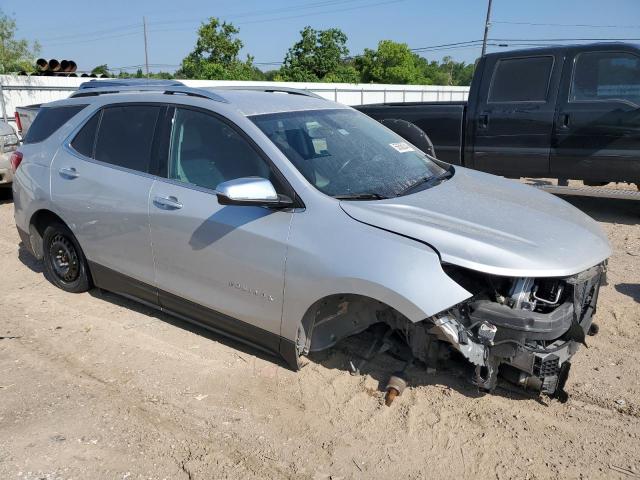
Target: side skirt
{"type": "Point", "coordinates": [191, 312]}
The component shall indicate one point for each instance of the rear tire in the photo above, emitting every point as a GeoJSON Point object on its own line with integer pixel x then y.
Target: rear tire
{"type": "Point", "coordinates": [64, 262]}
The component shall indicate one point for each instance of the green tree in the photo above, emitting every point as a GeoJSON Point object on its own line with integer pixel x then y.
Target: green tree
{"type": "Point", "coordinates": [391, 62]}
{"type": "Point", "coordinates": [216, 55]}
{"type": "Point", "coordinates": [319, 56]}
{"type": "Point", "coordinates": [270, 75]}
{"type": "Point", "coordinates": [101, 70]}
{"type": "Point", "coordinates": [15, 55]}
{"type": "Point", "coordinates": [446, 72]}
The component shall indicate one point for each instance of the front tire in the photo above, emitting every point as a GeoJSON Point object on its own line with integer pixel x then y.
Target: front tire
{"type": "Point", "coordinates": [64, 262]}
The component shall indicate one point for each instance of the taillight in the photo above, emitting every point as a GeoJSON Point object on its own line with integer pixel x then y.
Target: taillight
{"type": "Point", "coordinates": [15, 160]}
{"type": "Point", "coordinates": [18, 122]}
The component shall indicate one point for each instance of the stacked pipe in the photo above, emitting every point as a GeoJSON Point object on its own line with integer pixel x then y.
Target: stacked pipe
{"type": "Point", "coordinates": [65, 68]}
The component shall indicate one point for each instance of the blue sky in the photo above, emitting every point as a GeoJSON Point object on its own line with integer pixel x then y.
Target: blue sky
{"type": "Point", "coordinates": [110, 32]}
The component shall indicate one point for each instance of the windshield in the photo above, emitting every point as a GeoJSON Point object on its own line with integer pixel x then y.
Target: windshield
{"type": "Point", "coordinates": [345, 153]}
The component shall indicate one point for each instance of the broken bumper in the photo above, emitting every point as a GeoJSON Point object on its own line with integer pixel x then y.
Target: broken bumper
{"type": "Point", "coordinates": [529, 348]}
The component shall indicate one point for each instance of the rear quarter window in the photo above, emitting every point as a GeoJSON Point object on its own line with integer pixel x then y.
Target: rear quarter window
{"type": "Point", "coordinates": [48, 120]}
{"type": "Point", "coordinates": [85, 140]}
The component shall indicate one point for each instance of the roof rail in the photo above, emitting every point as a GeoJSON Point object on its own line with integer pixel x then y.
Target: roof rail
{"type": "Point", "coordinates": [166, 90]}
{"type": "Point", "coordinates": [269, 89]}
{"type": "Point", "coordinates": [129, 82]}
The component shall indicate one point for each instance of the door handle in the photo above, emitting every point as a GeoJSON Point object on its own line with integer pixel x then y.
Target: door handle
{"type": "Point", "coordinates": [69, 172]}
{"type": "Point", "coordinates": [565, 120]}
{"type": "Point", "coordinates": [167, 203]}
{"type": "Point", "coordinates": [484, 120]}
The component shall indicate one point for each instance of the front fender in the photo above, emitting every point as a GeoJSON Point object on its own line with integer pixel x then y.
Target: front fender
{"type": "Point", "coordinates": [354, 258]}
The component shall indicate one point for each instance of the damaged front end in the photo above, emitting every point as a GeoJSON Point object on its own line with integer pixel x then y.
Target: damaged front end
{"type": "Point", "coordinates": [526, 329]}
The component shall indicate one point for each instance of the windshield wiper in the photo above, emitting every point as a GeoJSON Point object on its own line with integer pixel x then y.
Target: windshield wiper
{"type": "Point", "coordinates": [428, 181]}
{"type": "Point", "coordinates": [360, 196]}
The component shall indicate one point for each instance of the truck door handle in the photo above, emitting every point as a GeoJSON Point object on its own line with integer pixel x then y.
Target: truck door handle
{"type": "Point", "coordinates": [565, 120]}
{"type": "Point", "coordinates": [484, 120]}
{"type": "Point", "coordinates": [167, 203]}
{"type": "Point", "coordinates": [69, 173]}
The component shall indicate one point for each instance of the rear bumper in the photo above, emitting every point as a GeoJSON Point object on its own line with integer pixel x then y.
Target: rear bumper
{"type": "Point", "coordinates": [26, 240]}
{"type": "Point", "coordinates": [6, 174]}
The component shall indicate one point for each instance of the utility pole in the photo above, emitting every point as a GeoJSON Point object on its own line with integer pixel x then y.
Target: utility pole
{"type": "Point", "coordinates": [487, 23]}
{"type": "Point", "coordinates": [146, 54]}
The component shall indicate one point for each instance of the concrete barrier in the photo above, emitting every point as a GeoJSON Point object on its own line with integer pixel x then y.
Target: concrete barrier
{"type": "Point", "coordinates": [18, 90]}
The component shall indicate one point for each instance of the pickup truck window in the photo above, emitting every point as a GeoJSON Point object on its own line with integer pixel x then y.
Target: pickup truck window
{"type": "Point", "coordinates": [344, 153]}
{"type": "Point", "coordinates": [521, 80]}
{"type": "Point", "coordinates": [606, 76]}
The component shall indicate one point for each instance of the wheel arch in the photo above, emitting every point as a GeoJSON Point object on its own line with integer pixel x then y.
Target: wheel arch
{"type": "Point", "coordinates": [38, 222]}
{"type": "Point", "coordinates": [337, 316]}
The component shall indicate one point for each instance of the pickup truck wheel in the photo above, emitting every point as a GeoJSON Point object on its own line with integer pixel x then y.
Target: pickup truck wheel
{"type": "Point", "coordinates": [64, 263]}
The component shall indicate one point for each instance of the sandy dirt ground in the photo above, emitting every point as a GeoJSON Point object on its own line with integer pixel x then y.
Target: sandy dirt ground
{"type": "Point", "coordinates": [94, 386]}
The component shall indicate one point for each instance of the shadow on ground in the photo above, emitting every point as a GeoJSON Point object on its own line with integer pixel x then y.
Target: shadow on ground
{"type": "Point", "coordinates": [29, 260]}
{"type": "Point", "coordinates": [630, 290]}
{"type": "Point", "coordinates": [184, 325]}
{"type": "Point", "coordinates": [6, 195]}
{"type": "Point", "coordinates": [607, 209]}
{"type": "Point", "coordinates": [454, 373]}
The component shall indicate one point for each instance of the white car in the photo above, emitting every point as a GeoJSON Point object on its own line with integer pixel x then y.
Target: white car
{"type": "Point", "coordinates": [8, 144]}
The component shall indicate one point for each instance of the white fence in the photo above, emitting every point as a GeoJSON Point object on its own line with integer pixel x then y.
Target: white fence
{"type": "Point", "coordinates": [22, 90]}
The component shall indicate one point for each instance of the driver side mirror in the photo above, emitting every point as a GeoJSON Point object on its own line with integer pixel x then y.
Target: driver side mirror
{"type": "Point", "coordinates": [254, 191]}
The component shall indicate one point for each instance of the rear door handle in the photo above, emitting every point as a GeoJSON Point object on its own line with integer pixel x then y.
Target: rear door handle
{"type": "Point", "coordinates": [484, 120]}
{"type": "Point", "coordinates": [167, 203]}
{"type": "Point", "coordinates": [564, 122]}
{"type": "Point", "coordinates": [69, 172]}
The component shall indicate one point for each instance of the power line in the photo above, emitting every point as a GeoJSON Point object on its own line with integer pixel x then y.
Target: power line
{"type": "Point", "coordinates": [259, 13]}
{"type": "Point", "coordinates": [267, 20]}
{"type": "Point", "coordinates": [91, 40]}
{"type": "Point", "coordinates": [564, 39]}
{"type": "Point", "coordinates": [470, 43]}
{"type": "Point", "coordinates": [136, 27]}
{"type": "Point", "coordinates": [446, 45]}
{"type": "Point", "coordinates": [368, 5]}
{"type": "Point", "coordinates": [146, 52]}
{"type": "Point", "coordinates": [141, 65]}
{"type": "Point", "coordinates": [566, 25]}
{"type": "Point", "coordinates": [93, 32]}
{"type": "Point", "coordinates": [139, 29]}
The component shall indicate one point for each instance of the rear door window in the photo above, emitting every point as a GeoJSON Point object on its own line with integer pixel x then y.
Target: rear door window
{"type": "Point", "coordinates": [125, 136]}
{"type": "Point", "coordinates": [606, 76]}
{"type": "Point", "coordinates": [521, 80]}
{"type": "Point", "coordinates": [48, 120]}
{"type": "Point", "coordinates": [85, 140]}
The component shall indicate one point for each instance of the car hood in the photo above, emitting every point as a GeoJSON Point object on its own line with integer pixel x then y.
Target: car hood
{"type": "Point", "coordinates": [493, 225]}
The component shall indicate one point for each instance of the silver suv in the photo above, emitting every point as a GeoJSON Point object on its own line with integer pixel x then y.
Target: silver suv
{"type": "Point", "coordinates": [291, 222]}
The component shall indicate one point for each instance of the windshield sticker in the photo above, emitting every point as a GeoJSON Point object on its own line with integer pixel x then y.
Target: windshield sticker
{"type": "Point", "coordinates": [401, 147]}
{"type": "Point", "coordinates": [343, 131]}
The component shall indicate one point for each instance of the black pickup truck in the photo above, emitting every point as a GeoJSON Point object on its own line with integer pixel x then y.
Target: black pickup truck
{"type": "Point", "coordinates": [569, 112]}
